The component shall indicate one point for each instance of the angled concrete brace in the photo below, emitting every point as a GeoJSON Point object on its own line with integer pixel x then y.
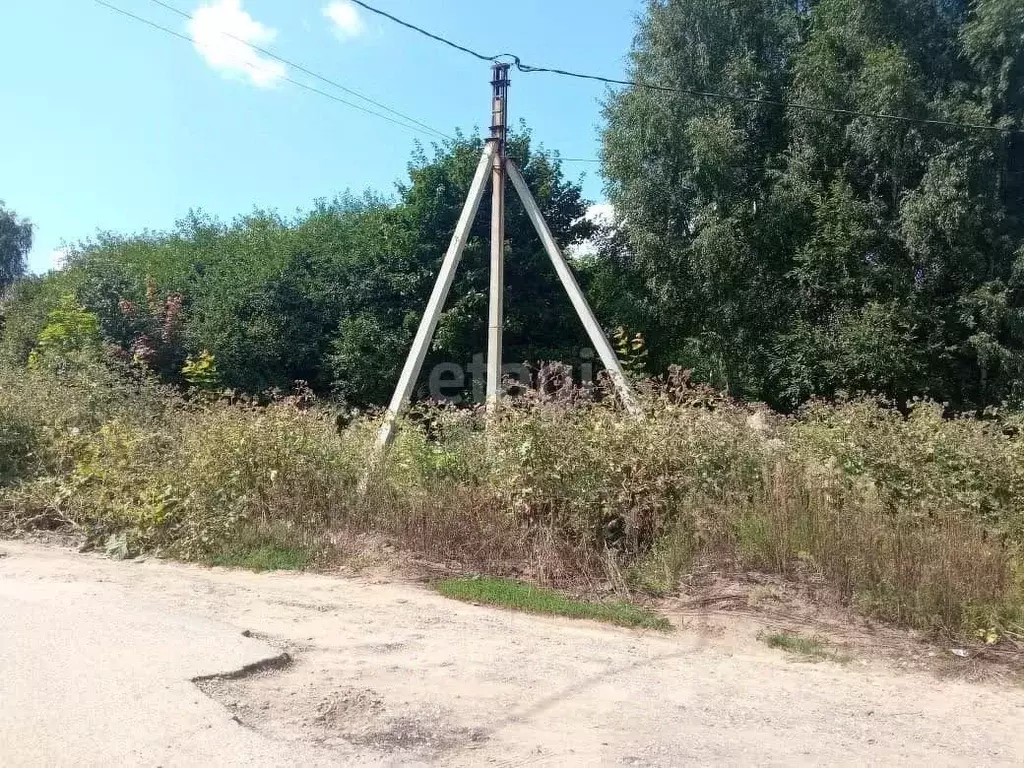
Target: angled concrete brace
{"type": "Point", "coordinates": [425, 332]}
{"type": "Point", "coordinates": [579, 301]}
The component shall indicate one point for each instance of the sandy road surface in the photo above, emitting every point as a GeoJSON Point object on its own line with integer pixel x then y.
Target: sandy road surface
{"type": "Point", "coordinates": [110, 663]}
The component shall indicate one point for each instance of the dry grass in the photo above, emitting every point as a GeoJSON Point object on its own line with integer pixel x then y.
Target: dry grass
{"type": "Point", "coordinates": [934, 574]}
{"type": "Point", "coordinates": [916, 520]}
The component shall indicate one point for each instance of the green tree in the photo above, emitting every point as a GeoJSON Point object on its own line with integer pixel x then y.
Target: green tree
{"type": "Point", "coordinates": [25, 309]}
{"type": "Point", "coordinates": [803, 252]}
{"type": "Point", "coordinates": [691, 177]}
{"type": "Point", "coordinates": [332, 296]}
{"type": "Point", "coordinates": [540, 324]}
{"type": "Point", "coordinates": [71, 337]}
{"type": "Point", "coordinates": [15, 243]}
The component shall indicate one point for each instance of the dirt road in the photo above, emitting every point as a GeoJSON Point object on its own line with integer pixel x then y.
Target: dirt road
{"type": "Point", "coordinates": [154, 663]}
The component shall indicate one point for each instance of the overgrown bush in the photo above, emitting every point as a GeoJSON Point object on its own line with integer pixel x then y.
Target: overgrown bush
{"type": "Point", "coordinates": [923, 465]}
{"type": "Point", "coordinates": [19, 440]}
{"type": "Point", "coordinates": [916, 518]}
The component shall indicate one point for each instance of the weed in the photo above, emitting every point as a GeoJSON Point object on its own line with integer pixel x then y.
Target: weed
{"type": "Point", "coordinates": [263, 557]}
{"type": "Point", "coordinates": [810, 648]}
{"type": "Point", "coordinates": [525, 597]}
{"type": "Point", "coordinates": [915, 519]}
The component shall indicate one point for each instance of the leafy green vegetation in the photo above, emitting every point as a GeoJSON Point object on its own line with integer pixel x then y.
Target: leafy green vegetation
{"type": "Point", "coordinates": [201, 372]}
{"type": "Point", "coordinates": [330, 297]}
{"type": "Point", "coordinates": [70, 334]}
{"type": "Point", "coordinates": [810, 648]}
{"type": "Point", "coordinates": [263, 557]}
{"type": "Point", "coordinates": [915, 519]}
{"type": "Point", "coordinates": [786, 253]}
{"type": "Point", "coordinates": [15, 243]}
{"type": "Point", "coordinates": [779, 254]}
{"type": "Point", "coordinates": [525, 597]}
{"type": "Point", "coordinates": [166, 391]}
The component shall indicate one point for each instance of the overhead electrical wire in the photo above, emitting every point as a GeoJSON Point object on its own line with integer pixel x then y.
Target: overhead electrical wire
{"type": "Point", "coordinates": [411, 123]}
{"type": "Point", "coordinates": [418, 127]}
{"type": "Point", "coordinates": [771, 102]}
{"type": "Point", "coordinates": [311, 73]}
{"type": "Point", "coordinates": [305, 86]}
{"type": "Point", "coordinates": [527, 69]}
{"type": "Point", "coordinates": [431, 35]}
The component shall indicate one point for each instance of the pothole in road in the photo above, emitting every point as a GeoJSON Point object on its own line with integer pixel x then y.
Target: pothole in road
{"type": "Point", "coordinates": [274, 663]}
{"type": "Point", "coordinates": [289, 703]}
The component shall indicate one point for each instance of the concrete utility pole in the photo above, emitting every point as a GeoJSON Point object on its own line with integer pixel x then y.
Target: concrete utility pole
{"type": "Point", "coordinates": [496, 164]}
{"type": "Point", "coordinates": [496, 310]}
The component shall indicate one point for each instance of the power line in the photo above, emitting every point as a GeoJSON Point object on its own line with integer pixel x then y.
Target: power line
{"type": "Point", "coordinates": [431, 35]}
{"type": "Point", "coordinates": [297, 83]}
{"type": "Point", "coordinates": [304, 86]}
{"type": "Point", "coordinates": [527, 69]}
{"type": "Point", "coordinates": [769, 102]}
{"type": "Point", "coordinates": [309, 72]}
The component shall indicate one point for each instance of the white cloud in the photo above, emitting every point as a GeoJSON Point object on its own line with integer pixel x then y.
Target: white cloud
{"type": "Point", "coordinates": [345, 18]}
{"type": "Point", "coordinates": [219, 30]}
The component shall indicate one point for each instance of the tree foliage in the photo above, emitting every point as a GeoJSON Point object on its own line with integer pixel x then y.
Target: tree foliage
{"type": "Point", "coordinates": [15, 243]}
{"type": "Point", "coordinates": [785, 252]}
{"type": "Point", "coordinates": [331, 297]}
{"type": "Point", "coordinates": [70, 337]}
{"type": "Point", "coordinates": [776, 251]}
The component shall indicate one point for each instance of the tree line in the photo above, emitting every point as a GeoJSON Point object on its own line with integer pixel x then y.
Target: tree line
{"type": "Point", "coordinates": [783, 252]}
{"type": "Point", "coordinates": [779, 253]}
{"type": "Point", "coordinates": [331, 297]}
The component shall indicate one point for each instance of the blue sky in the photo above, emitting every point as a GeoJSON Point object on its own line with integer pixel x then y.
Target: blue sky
{"type": "Point", "coordinates": [111, 125]}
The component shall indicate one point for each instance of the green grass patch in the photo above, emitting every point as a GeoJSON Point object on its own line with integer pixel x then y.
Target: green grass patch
{"type": "Point", "coordinates": [524, 597]}
{"type": "Point", "coordinates": [263, 557]}
{"type": "Point", "coordinates": [810, 648]}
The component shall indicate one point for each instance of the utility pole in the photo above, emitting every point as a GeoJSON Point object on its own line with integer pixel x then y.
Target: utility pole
{"type": "Point", "coordinates": [496, 164]}
{"type": "Point", "coordinates": [496, 309]}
